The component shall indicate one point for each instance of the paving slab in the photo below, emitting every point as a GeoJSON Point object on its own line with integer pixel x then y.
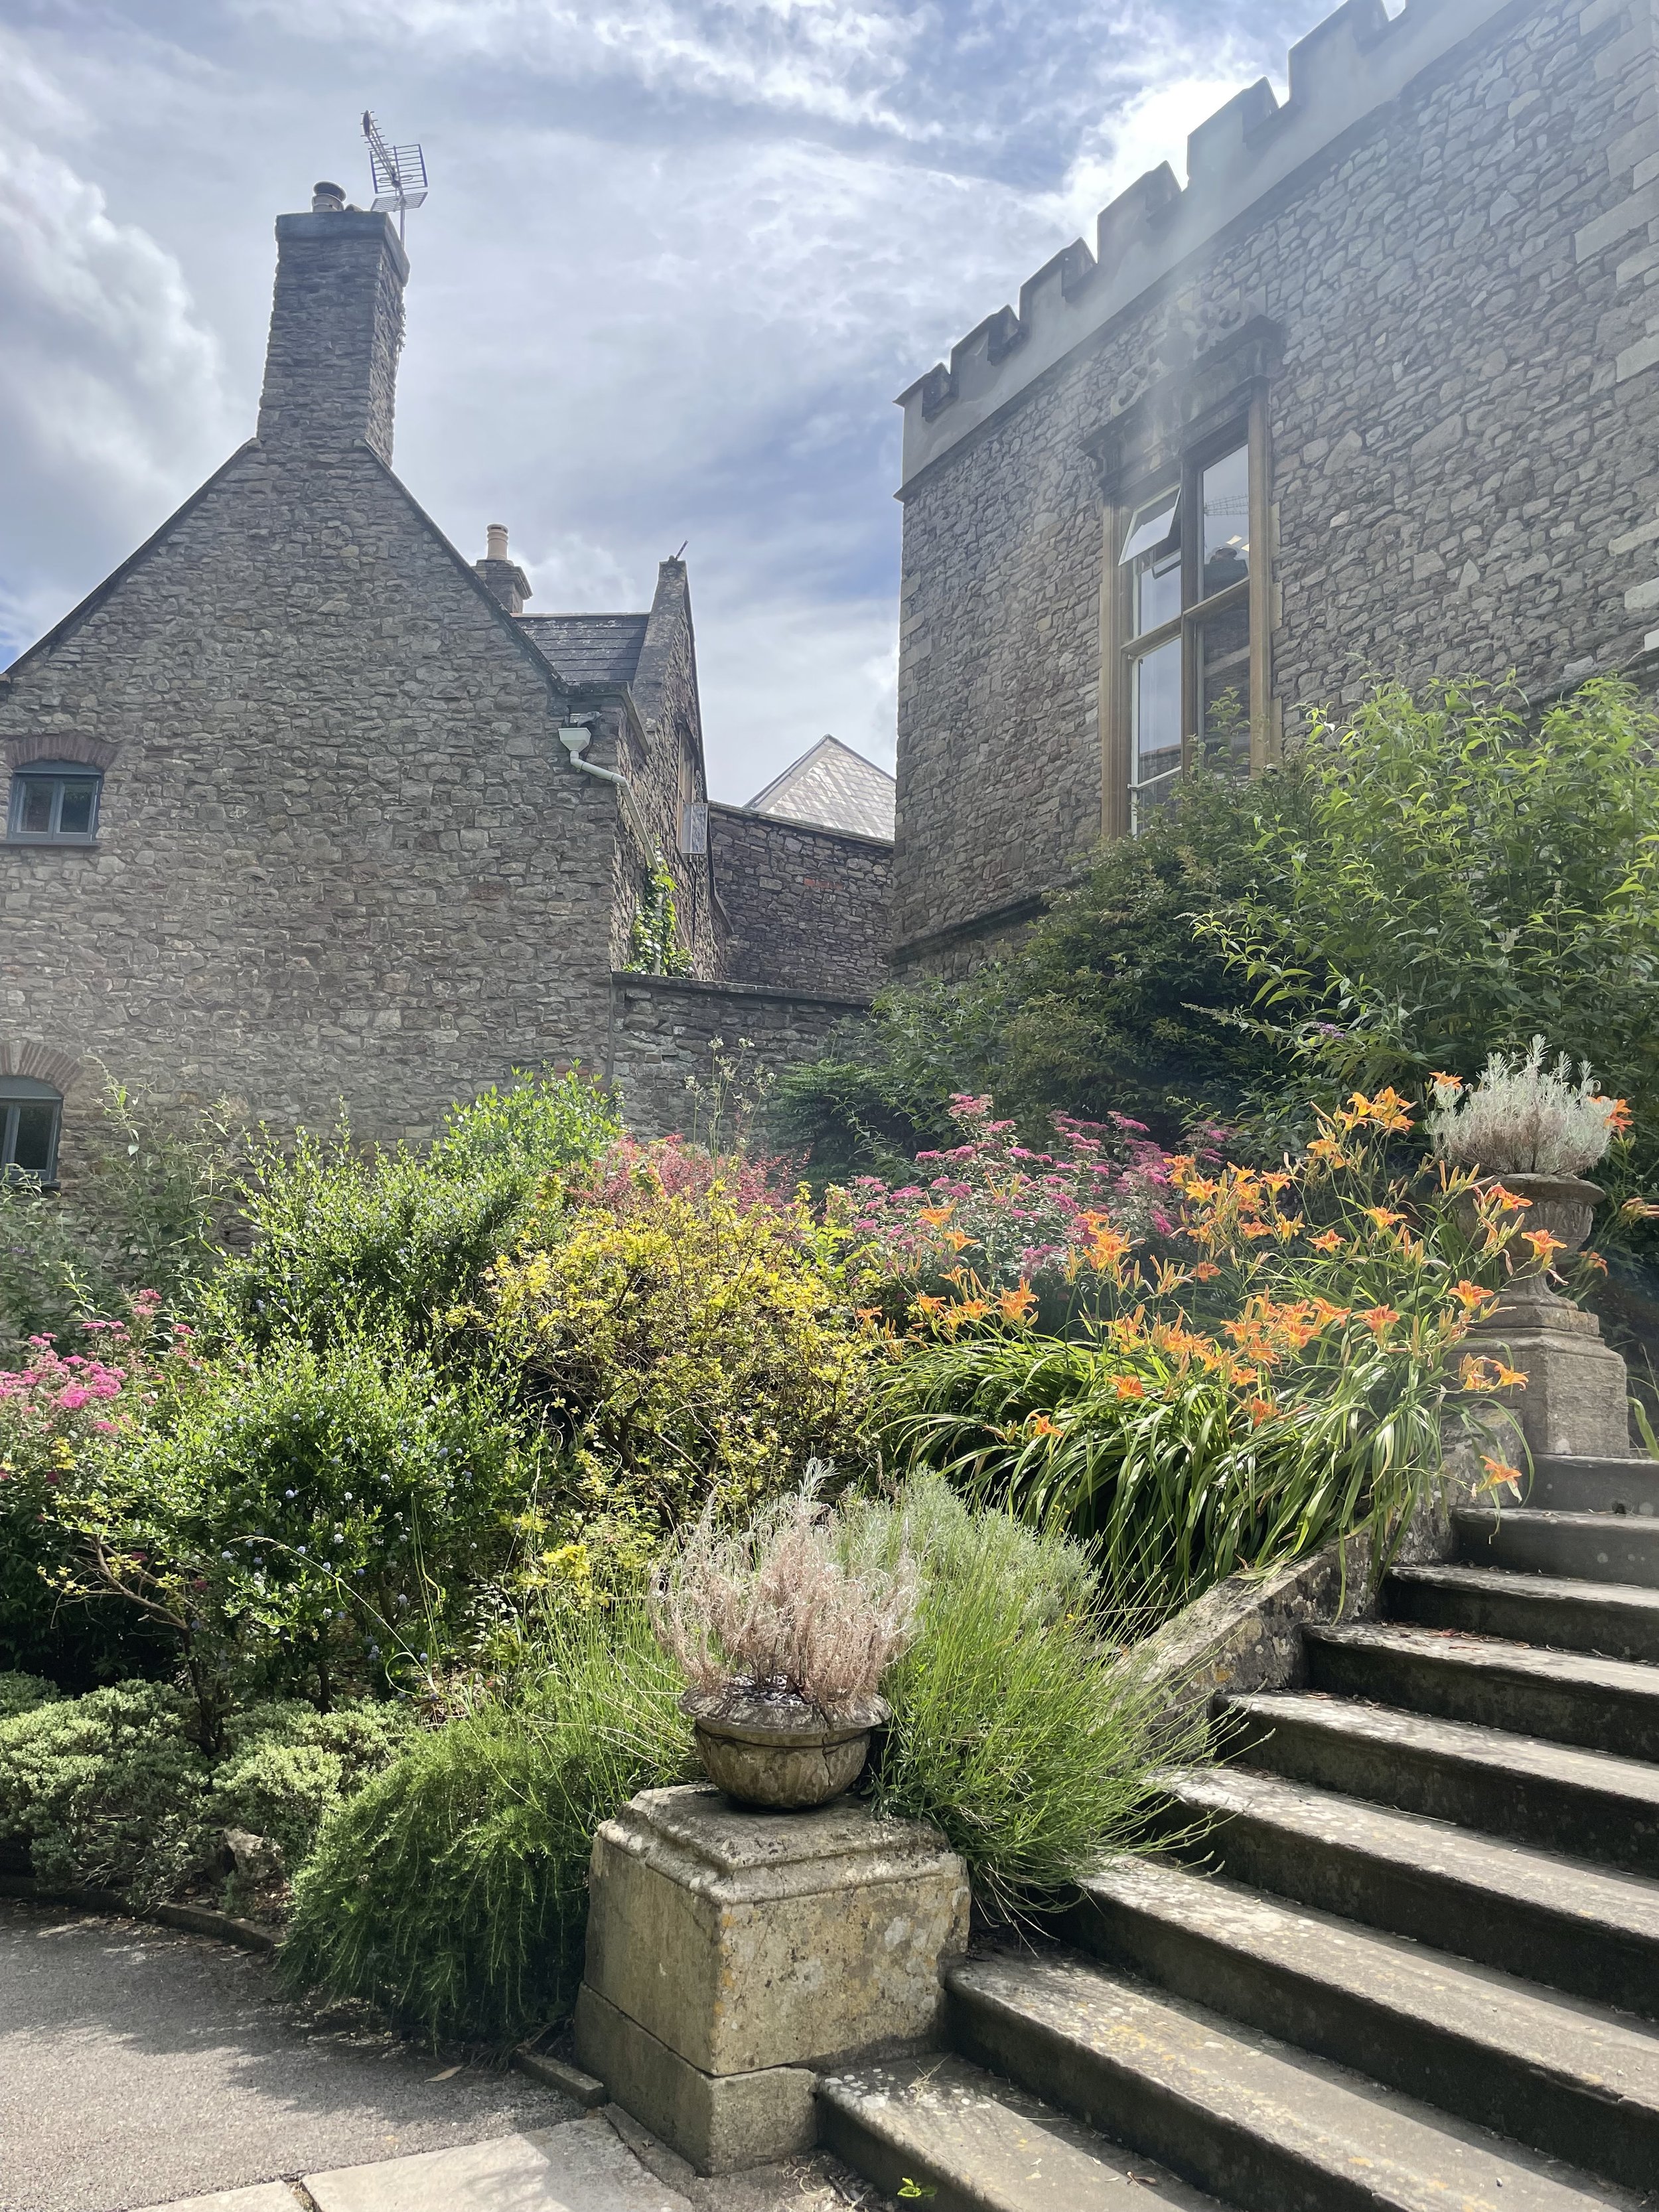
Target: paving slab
{"type": "Point", "coordinates": [264, 2197]}
{"type": "Point", "coordinates": [581, 2166]}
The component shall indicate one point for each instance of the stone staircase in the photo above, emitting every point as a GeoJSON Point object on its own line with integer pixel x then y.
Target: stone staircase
{"type": "Point", "coordinates": [1403, 1951]}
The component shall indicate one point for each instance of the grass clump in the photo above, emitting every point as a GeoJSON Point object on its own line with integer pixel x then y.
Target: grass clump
{"type": "Point", "coordinates": [451, 1892]}
{"type": "Point", "coordinates": [1019, 1729]}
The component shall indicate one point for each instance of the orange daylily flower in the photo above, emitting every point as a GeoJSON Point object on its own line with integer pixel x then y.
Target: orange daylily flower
{"type": "Point", "coordinates": [1470, 1296]}
{"type": "Point", "coordinates": [1206, 1270]}
{"type": "Point", "coordinates": [1329, 1240]}
{"type": "Point", "coordinates": [1260, 1410]}
{"type": "Point", "coordinates": [1018, 1306]}
{"type": "Point", "coordinates": [935, 1216]}
{"type": "Point", "coordinates": [1544, 1247]}
{"type": "Point", "coordinates": [1128, 1386]}
{"type": "Point", "coordinates": [1452, 1083]}
{"type": "Point", "coordinates": [1381, 1215]}
{"type": "Point", "coordinates": [1379, 1318]}
{"type": "Point", "coordinates": [1620, 1117]}
{"type": "Point", "coordinates": [1499, 1473]}
{"type": "Point", "coordinates": [1039, 1425]}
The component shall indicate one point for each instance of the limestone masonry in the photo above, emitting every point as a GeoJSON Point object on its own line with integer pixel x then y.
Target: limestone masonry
{"type": "Point", "coordinates": [360, 828]}
{"type": "Point", "coordinates": [1377, 393]}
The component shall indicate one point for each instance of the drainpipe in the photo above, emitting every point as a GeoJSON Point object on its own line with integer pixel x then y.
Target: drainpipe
{"type": "Point", "coordinates": [575, 736]}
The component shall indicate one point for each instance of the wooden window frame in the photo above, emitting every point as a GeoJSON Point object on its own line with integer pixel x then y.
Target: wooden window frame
{"type": "Point", "coordinates": [15, 1093]}
{"type": "Point", "coordinates": [1242, 420]}
{"type": "Point", "coordinates": [57, 773]}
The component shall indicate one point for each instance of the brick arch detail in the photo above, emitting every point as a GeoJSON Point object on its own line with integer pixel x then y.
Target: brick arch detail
{"type": "Point", "coordinates": [60, 744]}
{"type": "Point", "coordinates": [46, 1063]}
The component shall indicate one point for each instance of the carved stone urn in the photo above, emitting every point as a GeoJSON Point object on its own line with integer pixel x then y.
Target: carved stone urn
{"type": "Point", "coordinates": [779, 1751]}
{"type": "Point", "coordinates": [1565, 1206]}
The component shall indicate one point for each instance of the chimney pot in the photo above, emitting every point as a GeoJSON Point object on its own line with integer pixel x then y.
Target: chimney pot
{"type": "Point", "coordinates": [327, 199]}
{"type": "Point", "coordinates": [500, 574]}
{"type": "Point", "coordinates": [496, 542]}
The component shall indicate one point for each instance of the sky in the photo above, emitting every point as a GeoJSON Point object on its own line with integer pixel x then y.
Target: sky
{"type": "Point", "coordinates": [678, 258]}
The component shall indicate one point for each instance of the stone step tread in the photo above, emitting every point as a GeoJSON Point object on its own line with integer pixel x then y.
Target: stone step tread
{"type": "Point", "coordinates": [970, 2140]}
{"type": "Point", "coordinates": [1610, 1462]}
{"type": "Point", "coordinates": [1567, 2040]}
{"type": "Point", "coordinates": [1494, 1654]}
{"type": "Point", "coordinates": [1468, 1742]}
{"type": "Point", "coordinates": [1334, 2126]}
{"type": "Point", "coordinates": [1577, 1889]}
{"type": "Point", "coordinates": [1539, 1516]}
{"type": "Point", "coordinates": [1505, 1582]}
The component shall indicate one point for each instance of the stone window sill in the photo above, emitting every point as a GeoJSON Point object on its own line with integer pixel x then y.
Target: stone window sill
{"type": "Point", "coordinates": [50, 844]}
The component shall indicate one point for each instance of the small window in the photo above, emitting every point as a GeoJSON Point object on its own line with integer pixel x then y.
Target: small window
{"type": "Point", "coordinates": [54, 802]}
{"type": "Point", "coordinates": [30, 1113]}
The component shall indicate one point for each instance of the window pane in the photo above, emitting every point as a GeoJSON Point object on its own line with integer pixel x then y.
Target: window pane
{"type": "Point", "coordinates": [34, 815]}
{"type": "Point", "coordinates": [1226, 520]}
{"type": "Point", "coordinates": [1157, 589]}
{"type": "Point", "coordinates": [1224, 691]}
{"type": "Point", "coordinates": [75, 817]}
{"type": "Point", "coordinates": [1151, 522]}
{"type": "Point", "coordinates": [32, 1144]}
{"type": "Point", "coordinates": [1157, 706]}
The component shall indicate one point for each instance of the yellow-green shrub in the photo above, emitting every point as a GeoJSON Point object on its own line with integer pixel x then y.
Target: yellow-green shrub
{"type": "Point", "coordinates": [689, 1347]}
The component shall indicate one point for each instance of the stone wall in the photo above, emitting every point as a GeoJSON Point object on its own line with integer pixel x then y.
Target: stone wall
{"type": "Point", "coordinates": [1462, 427]}
{"type": "Point", "coordinates": [804, 908]}
{"type": "Point", "coordinates": [665, 1032]}
{"type": "Point", "coordinates": [341, 854]}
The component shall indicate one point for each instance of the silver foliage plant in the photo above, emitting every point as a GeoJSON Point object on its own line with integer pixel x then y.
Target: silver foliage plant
{"type": "Point", "coordinates": [774, 1609]}
{"type": "Point", "coordinates": [1523, 1118]}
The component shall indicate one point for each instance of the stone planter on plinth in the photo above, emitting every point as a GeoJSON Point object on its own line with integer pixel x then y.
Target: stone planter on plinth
{"type": "Point", "coordinates": [733, 1956]}
{"type": "Point", "coordinates": [1575, 1402]}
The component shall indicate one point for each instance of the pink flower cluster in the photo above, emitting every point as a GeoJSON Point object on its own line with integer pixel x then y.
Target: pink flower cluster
{"type": "Point", "coordinates": [1009, 1213]}
{"type": "Point", "coordinates": [685, 1171]}
{"type": "Point", "coordinates": [59, 1395]}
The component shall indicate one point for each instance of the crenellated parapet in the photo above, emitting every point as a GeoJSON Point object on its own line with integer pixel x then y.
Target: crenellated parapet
{"type": "Point", "coordinates": [1347, 68]}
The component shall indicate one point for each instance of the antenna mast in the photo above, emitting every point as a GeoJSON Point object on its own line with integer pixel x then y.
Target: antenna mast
{"type": "Point", "coordinates": [399, 172]}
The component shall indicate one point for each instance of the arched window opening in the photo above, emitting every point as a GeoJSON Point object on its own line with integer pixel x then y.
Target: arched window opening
{"type": "Point", "coordinates": [54, 802]}
{"type": "Point", "coordinates": [31, 1114]}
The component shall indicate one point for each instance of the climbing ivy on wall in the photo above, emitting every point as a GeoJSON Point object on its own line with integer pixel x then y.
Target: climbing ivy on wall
{"type": "Point", "coordinates": [654, 943]}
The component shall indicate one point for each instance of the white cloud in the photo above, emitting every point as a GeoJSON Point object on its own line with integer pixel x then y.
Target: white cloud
{"type": "Point", "coordinates": [111, 396]}
{"type": "Point", "coordinates": [775, 677]}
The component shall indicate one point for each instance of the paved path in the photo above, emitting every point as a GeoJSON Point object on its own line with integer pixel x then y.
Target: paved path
{"type": "Point", "coordinates": [144, 2068]}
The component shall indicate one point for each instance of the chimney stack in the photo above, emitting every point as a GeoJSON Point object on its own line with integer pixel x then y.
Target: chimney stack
{"type": "Point", "coordinates": [502, 576]}
{"type": "Point", "coordinates": [337, 326]}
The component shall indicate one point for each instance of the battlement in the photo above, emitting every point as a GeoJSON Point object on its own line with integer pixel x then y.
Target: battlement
{"type": "Point", "coordinates": [1348, 67]}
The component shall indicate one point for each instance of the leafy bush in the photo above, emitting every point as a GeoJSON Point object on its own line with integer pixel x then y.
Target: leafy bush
{"type": "Point", "coordinates": [1310, 1406]}
{"type": "Point", "coordinates": [22, 1693]}
{"type": "Point", "coordinates": [113, 1790]}
{"type": "Point", "coordinates": [109, 1790]}
{"type": "Point", "coordinates": [390, 1238]}
{"type": "Point", "coordinates": [146, 1207]}
{"type": "Point", "coordinates": [691, 1347]}
{"type": "Point", "coordinates": [307, 1522]}
{"type": "Point", "coordinates": [1018, 1729]}
{"type": "Point", "coordinates": [1459, 873]}
{"type": "Point", "coordinates": [452, 1890]}
{"type": "Point", "coordinates": [59, 1414]}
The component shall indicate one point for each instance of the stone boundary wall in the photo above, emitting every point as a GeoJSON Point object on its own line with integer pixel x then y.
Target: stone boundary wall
{"type": "Point", "coordinates": [663, 1034]}
{"type": "Point", "coordinates": [807, 908]}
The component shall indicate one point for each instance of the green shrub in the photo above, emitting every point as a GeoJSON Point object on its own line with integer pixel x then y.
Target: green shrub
{"type": "Point", "coordinates": [452, 1890]}
{"type": "Point", "coordinates": [1018, 1727]}
{"type": "Point", "coordinates": [310, 1522]}
{"type": "Point", "coordinates": [23, 1693]}
{"type": "Point", "coordinates": [392, 1237]}
{"type": "Point", "coordinates": [287, 1767]}
{"type": "Point", "coordinates": [109, 1790]}
{"type": "Point", "coordinates": [692, 1345]}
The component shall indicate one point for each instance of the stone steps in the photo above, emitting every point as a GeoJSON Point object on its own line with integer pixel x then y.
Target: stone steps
{"type": "Point", "coordinates": [1259, 2122]}
{"type": "Point", "coordinates": [1567, 1924]}
{"type": "Point", "coordinates": [1573, 2080]}
{"type": "Point", "coordinates": [1592, 1547]}
{"type": "Point", "coordinates": [1621, 1619]}
{"type": "Point", "coordinates": [1568, 1485]}
{"type": "Point", "coordinates": [1570, 1697]}
{"type": "Point", "coordinates": [964, 2140]}
{"type": "Point", "coordinates": [1401, 1950]}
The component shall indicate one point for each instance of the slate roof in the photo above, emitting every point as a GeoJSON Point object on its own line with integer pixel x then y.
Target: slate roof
{"type": "Point", "coordinates": [590, 648]}
{"type": "Point", "coordinates": [832, 785]}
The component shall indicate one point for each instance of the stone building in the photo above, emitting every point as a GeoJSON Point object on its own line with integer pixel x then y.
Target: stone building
{"type": "Point", "coordinates": [1377, 392]}
{"type": "Point", "coordinates": [304, 806]}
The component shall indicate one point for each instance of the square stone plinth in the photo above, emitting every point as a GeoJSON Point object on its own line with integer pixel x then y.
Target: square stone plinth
{"type": "Point", "coordinates": [744, 1940]}
{"type": "Point", "coordinates": [1576, 1398]}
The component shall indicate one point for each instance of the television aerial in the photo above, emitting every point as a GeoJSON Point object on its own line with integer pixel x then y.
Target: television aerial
{"type": "Point", "coordinates": [399, 172]}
